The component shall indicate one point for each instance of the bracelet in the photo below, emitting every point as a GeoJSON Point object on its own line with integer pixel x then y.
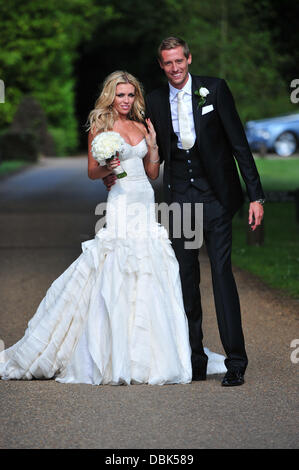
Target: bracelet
{"type": "Point", "coordinates": [155, 161]}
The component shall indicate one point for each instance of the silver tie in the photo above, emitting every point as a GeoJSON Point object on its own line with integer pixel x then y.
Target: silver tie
{"type": "Point", "coordinates": [186, 135]}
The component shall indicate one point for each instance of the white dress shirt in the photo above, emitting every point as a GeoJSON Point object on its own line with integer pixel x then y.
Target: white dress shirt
{"type": "Point", "coordinates": [173, 99]}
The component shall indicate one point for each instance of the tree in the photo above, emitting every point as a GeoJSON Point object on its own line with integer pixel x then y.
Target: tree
{"type": "Point", "coordinates": [38, 44]}
{"type": "Point", "coordinates": [227, 40]}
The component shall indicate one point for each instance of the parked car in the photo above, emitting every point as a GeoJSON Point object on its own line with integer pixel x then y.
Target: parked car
{"type": "Point", "coordinates": [279, 134]}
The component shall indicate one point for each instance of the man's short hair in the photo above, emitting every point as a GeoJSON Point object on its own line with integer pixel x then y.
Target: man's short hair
{"type": "Point", "coordinates": [171, 43]}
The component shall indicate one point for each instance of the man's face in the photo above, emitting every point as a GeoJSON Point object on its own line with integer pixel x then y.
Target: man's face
{"type": "Point", "coordinates": [175, 66]}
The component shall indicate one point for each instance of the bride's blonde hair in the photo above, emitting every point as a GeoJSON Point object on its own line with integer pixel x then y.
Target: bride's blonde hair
{"type": "Point", "coordinates": [103, 116]}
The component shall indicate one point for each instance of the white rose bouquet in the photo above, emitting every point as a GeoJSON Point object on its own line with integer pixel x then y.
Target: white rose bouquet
{"type": "Point", "coordinates": [107, 146]}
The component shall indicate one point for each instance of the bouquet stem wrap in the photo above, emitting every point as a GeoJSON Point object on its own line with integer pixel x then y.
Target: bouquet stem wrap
{"type": "Point", "coordinates": [118, 171]}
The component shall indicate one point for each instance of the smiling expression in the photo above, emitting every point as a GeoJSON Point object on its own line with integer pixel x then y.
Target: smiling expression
{"type": "Point", "coordinates": [175, 65]}
{"type": "Point", "coordinates": [124, 98]}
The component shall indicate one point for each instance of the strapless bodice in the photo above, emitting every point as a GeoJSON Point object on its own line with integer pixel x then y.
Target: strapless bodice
{"type": "Point", "coordinates": [131, 160]}
{"type": "Point", "coordinates": [134, 151]}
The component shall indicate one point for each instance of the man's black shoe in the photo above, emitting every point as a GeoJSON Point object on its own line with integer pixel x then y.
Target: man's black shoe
{"type": "Point", "coordinates": [233, 378]}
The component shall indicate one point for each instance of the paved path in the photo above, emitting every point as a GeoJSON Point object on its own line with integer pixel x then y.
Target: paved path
{"type": "Point", "coordinates": [45, 213]}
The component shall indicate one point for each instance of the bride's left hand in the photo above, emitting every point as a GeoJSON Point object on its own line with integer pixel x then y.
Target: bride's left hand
{"type": "Point", "coordinates": [151, 135]}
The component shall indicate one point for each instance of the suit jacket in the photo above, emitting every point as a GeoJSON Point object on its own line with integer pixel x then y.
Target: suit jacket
{"type": "Point", "coordinates": [220, 138]}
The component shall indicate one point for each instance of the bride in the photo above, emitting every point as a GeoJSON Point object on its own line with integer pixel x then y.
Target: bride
{"type": "Point", "coordinates": [115, 315]}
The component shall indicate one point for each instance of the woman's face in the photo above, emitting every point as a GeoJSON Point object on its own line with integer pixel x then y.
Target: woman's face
{"type": "Point", "coordinates": [124, 98]}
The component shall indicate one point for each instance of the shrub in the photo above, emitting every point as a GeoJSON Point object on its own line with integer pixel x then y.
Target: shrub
{"type": "Point", "coordinates": [31, 118]}
{"type": "Point", "coordinates": [18, 146]}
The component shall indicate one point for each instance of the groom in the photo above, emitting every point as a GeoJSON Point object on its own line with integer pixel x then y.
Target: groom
{"type": "Point", "coordinates": [198, 138]}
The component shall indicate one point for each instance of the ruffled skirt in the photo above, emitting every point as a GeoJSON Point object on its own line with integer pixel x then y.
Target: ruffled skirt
{"type": "Point", "coordinates": [114, 316]}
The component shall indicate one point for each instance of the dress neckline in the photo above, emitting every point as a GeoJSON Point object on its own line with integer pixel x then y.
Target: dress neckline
{"type": "Point", "coordinates": [136, 144]}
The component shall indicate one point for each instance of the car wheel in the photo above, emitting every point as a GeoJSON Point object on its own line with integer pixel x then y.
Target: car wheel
{"type": "Point", "coordinates": [285, 144]}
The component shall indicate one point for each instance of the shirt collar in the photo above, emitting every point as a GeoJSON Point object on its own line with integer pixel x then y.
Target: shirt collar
{"type": "Point", "coordinates": [174, 91]}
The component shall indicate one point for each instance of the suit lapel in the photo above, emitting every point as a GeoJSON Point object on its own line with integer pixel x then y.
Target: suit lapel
{"type": "Point", "coordinates": [196, 111]}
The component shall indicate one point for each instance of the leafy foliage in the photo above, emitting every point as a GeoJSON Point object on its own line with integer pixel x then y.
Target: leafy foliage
{"type": "Point", "coordinates": [38, 45]}
{"type": "Point", "coordinates": [59, 52]}
{"type": "Point", "coordinates": [229, 42]}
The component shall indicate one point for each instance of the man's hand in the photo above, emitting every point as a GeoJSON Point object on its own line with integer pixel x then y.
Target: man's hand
{"type": "Point", "coordinates": [256, 213]}
{"type": "Point", "coordinates": [109, 181]}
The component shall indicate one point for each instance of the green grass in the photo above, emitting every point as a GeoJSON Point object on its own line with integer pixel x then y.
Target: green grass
{"type": "Point", "coordinates": [278, 174]}
{"type": "Point", "coordinates": [276, 261]}
{"type": "Point", "coordinates": [7, 167]}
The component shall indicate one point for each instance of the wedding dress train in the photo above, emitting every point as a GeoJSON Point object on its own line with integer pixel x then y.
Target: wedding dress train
{"type": "Point", "coordinates": [116, 314]}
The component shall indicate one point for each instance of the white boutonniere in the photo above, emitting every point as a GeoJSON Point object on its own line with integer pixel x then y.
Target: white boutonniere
{"type": "Point", "coordinates": [202, 93]}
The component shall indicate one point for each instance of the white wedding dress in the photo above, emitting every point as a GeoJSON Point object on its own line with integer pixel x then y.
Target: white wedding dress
{"type": "Point", "coordinates": [116, 315]}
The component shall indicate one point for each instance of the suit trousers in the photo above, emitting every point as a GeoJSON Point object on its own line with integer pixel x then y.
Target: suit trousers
{"type": "Point", "coordinates": [217, 234]}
